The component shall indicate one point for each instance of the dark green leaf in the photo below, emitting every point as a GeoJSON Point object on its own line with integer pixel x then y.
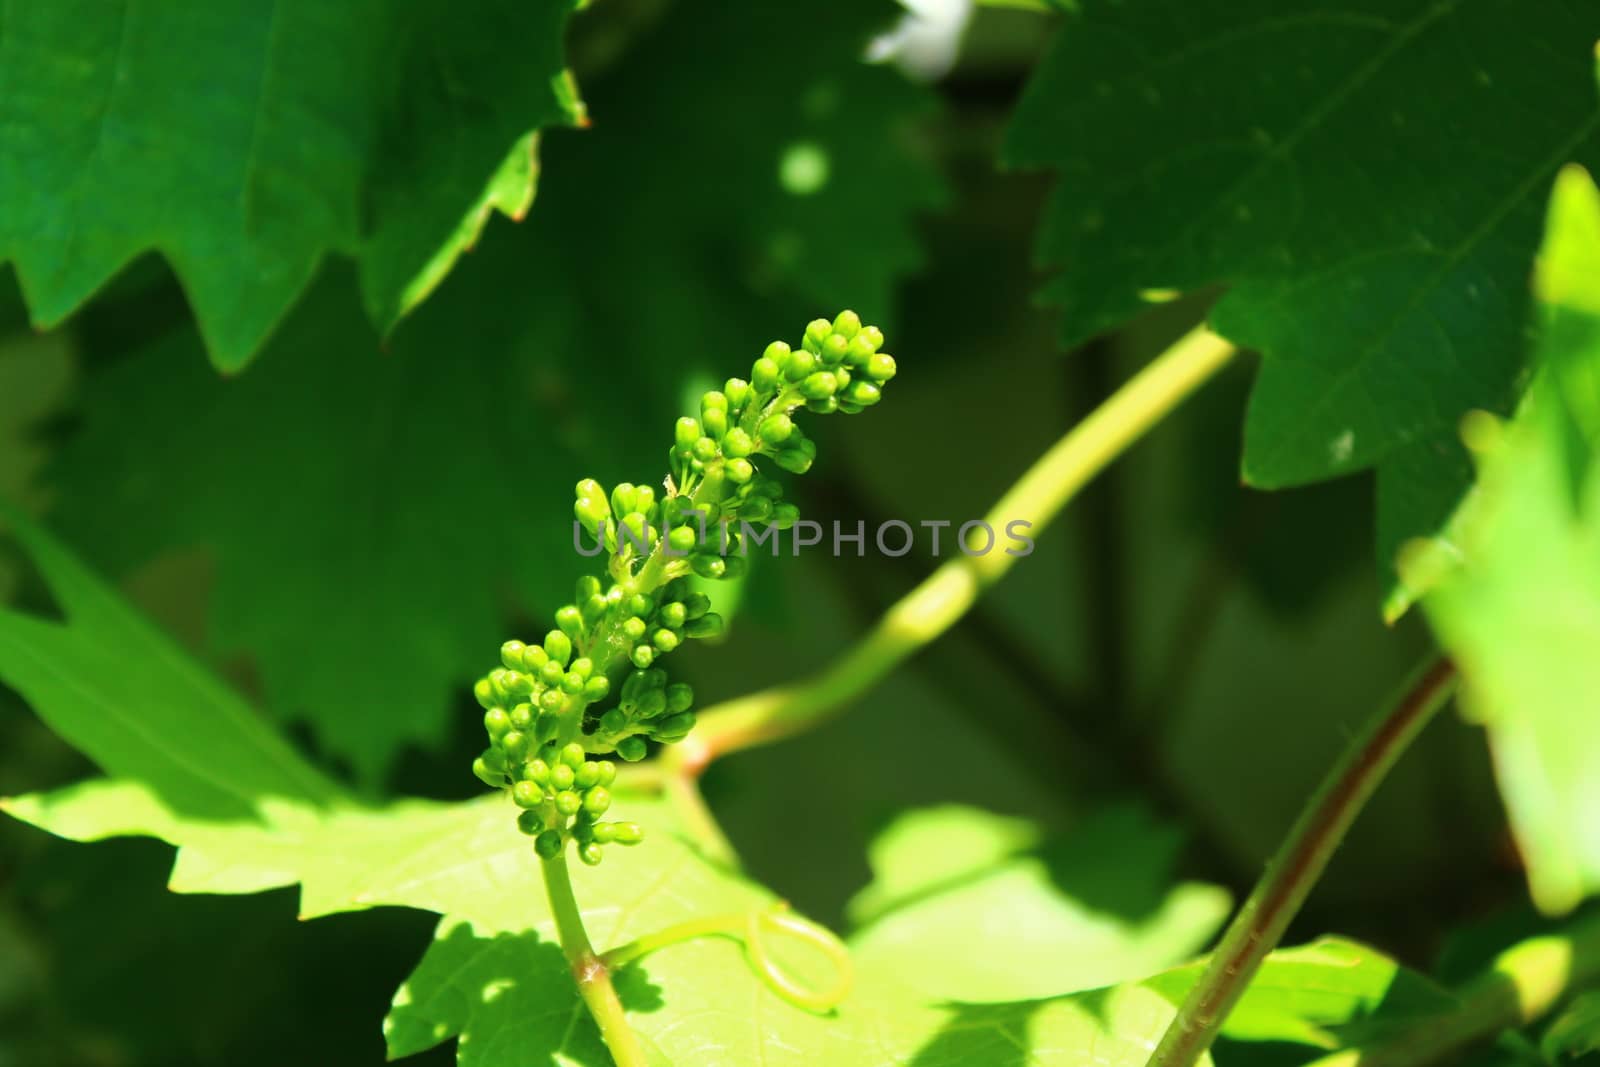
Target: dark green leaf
{"type": "Point", "coordinates": [247, 142]}
{"type": "Point", "coordinates": [36, 375]}
{"type": "Point", "coordinates": [365, 511]}
{"type": "Point", "coordinates": [1366, 180]}
{"type": "Point", "coordinates": [1576, 1031]}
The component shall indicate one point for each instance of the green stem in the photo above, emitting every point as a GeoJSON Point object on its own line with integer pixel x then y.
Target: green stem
{"type": "Point", "coordinates": [753, 928]}
{"type": "Point", "coordinates": [588, 969]}
{"type": "Point", "coordinates": [1522, 984]}
{"type": "Point", "coordinates": [935, 605]}
{"type": "Point", "coordinates": [729, 925]}
{"type": "Point", "coordinates": [1261, 923]}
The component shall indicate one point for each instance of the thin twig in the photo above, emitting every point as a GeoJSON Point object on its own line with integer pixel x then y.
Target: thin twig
{"type": "Point", "coordinates": [1261, 923]}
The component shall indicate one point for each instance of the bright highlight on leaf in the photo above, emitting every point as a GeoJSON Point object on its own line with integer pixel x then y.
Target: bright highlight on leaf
{"type": "Point", "coordinates": [1094, 908]}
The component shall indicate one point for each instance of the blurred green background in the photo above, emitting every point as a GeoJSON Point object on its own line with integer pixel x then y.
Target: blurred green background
{"type": "Point", "coordinates": [349, 527]}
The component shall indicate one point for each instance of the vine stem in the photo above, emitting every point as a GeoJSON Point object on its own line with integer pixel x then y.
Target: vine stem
{"type": "Point", "coordinates": [752, 929]}
{"type": "Point", "coordinates": [1522, 984]}
{"type": "Point", "coordinates": [935, 605]}
{"type": "Point", "coordinates": [1299, 863]}
{"type": "Point", "coordinates": [590, 972]}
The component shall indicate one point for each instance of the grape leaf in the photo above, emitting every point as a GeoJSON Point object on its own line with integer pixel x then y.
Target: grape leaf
{"type": "Point", "coordinates": [488, 980]}
{"type": "Point", "coordinates": [500, 993]}
{"type": "Point", "coordinates": [924, 851]}
{"type": "Point", "coordinates": [1521, 612]}
{"type": "Point", "coordinates": [1062, 913]}
{"type": "Point", "coordinates": [499, 989]}
{"type": "Point", "coordinates": [192, 757]}
{"type": "Point", "coordinates": [494, 976]}
{"type": "Point", "coordinates": [369, 501]}
{"type": "Point", "coordinates": [1093, 909]}
{"type": "Point", "coordinates": [1315, 160]}
{"type": "Point", "coordinates": [188, 762]}
{"type": "Point", "coordinates": [115, 688]}
{"type": "Point", "coordinates": [248, 144]}
{"type": "Point", "coordinates": [357, 499]}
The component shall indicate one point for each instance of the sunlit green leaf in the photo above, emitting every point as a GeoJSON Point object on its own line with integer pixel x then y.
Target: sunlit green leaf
{"type": "Point", "coordinates": [1521, 612]}
{"type": "Point", "coordinates": [1092, 909]}
{"type": "Point", "coordinates": [119, 691]}
{"type": "Point", "coordinates": [1329, 993]}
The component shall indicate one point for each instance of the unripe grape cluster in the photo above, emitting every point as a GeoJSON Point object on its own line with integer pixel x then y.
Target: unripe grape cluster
{"type": "Point", "coordinates": [549, 705]}
{"type": "Point", "coordinates": [562, 794]}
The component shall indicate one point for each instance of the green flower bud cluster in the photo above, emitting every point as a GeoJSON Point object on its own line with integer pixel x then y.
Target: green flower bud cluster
{"type": "Point", "coordinates": [562, 794]}
{"type": "Point", "coordinates": [838, 367]}
{"type": "Point", "coordinates": [650, 707]}
{"type": "Point", "coordinates": [549, 705]}
{"type": "Point", "coordinates": [538, 693]}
